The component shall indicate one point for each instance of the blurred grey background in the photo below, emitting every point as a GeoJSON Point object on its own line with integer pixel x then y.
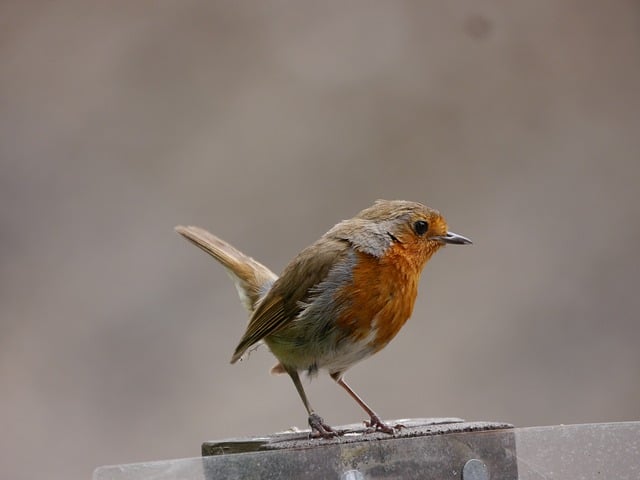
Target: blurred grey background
{"type": "Point", "coordinates": [268, 122]}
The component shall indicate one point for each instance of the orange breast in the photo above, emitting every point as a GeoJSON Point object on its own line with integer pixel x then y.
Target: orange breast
{"type": "Point", "coordinates": [381, 296]}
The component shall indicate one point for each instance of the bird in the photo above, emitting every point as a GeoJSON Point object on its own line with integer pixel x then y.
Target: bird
{"type": "Point", "coordinates": [341, 299]}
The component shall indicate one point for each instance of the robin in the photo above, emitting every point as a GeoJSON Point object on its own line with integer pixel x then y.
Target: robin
{"type": "Point", "coordinates": [341, 299]}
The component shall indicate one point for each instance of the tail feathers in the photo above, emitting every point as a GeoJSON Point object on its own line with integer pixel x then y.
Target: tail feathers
{"type": "Point", "coordinates": [252, 279]}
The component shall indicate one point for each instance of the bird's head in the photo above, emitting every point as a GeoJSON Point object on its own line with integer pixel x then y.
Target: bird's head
{"type": "Point", "coordinates": [409, 227]}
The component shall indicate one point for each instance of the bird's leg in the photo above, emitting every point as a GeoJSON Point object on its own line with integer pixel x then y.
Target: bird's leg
{"type": "Point", "coordinates": [318, 427]}
{"type": "Point", "coordinates": [375, 422]}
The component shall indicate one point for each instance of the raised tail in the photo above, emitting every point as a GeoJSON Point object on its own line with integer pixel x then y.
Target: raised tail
{"type": "Point", "coordinates": [252, 279]}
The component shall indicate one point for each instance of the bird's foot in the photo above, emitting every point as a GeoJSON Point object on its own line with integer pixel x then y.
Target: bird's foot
{"type": "Point", "coordinates": [319, 429]}
{"type": "Point", "coordinates": [377, 425]}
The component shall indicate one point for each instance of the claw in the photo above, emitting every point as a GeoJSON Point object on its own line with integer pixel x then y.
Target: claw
{"type": "Point", "coordinates": [319, 428]}
{"type": "Point", "coordinates": [377, 425]}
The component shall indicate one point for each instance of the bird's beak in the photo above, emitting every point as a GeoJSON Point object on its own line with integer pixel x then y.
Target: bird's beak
{"type": "Point", "coordinates": [453, 238]}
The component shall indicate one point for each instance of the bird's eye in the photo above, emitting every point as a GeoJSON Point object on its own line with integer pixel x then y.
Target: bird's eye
{"type": "Point", "coordinates": [421, 227]}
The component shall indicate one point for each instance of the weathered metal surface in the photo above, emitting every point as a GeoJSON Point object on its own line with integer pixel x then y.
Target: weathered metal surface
{"type": "Point", "coordinates": [425, 448]}
{"type": "Point", "coordinates": [292, 439]}
{"type": "Point", "coordinates": [464, 451]}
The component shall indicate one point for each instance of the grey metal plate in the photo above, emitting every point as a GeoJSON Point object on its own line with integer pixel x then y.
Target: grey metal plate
{"type": "Point", "coordinates": [574, 452]}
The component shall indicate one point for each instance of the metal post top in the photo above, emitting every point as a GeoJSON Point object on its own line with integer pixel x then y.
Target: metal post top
{"type": "Point", "coordinates": [427, 448]}
{"type": "Point", "coordinates": [353, 433]}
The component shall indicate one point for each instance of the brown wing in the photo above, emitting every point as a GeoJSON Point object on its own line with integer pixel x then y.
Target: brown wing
{"type": "Point", "coordinates": [283, 302]}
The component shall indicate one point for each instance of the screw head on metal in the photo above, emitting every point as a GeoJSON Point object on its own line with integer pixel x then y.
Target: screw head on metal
{"type": "Point", "coordinates": [352, 475]}
{"type": "Point", "coordinates": [475, 469]}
